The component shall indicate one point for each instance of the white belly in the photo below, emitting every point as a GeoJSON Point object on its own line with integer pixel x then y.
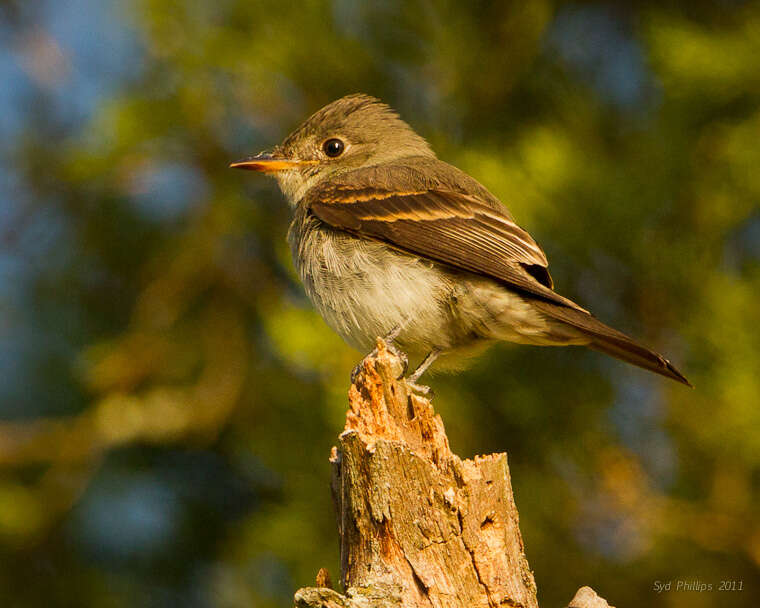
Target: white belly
{"type": "Point", "coordinates": [363, 289]}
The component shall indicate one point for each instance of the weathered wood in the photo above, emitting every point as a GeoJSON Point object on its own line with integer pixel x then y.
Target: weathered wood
{"type": "Point", "coordinates": [418, 526]}
{"type": "Point", "coordinates": [586, 597]}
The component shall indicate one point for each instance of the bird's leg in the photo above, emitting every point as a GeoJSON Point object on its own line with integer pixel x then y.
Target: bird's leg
{"type": "Point", "coordinates": [388, 339]}
{"type": "Point", "coordinates": [426, 363]}
{"type": "Point", "coordinates": [421, 369]}
{"type": "Point", "coordinates": [392, 335]}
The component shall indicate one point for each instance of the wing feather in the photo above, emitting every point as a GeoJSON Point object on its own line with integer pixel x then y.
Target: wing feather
{"type": "Point", "coordinates": [449, 227]}
{"type": "Point", "coordinates": [467, 230]}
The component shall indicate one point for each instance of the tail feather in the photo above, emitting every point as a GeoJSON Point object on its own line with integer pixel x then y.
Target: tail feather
{"type": "Point", "coordinates": [612, 342]}
{"type": "Point", "coordinates": [634, 353]}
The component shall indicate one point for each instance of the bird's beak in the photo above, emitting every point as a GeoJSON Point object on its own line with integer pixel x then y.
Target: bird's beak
{"type": "Point", "coordinates": [269, 163]}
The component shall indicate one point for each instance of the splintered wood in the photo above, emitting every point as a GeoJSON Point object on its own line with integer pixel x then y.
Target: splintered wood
{"type": "Point", "coordinates": [419, 527]}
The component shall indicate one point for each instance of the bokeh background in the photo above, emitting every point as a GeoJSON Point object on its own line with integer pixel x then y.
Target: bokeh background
{"type": "Point", "coordinates": [168, 398]}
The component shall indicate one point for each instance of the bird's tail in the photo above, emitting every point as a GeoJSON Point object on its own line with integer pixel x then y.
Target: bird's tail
{"type": "Point", "coordinates": [612, 342]}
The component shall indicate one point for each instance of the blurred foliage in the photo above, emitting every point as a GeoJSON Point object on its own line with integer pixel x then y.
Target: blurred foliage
{"type": "Point", "coordinates": [169, 398]}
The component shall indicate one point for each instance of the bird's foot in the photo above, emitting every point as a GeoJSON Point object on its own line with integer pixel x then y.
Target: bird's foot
{"type": "Point", "coordinates": [358, 368]}
{"type": "Point", "coordinates": [390, 347]}
{"type": "Point", "coordinates": [412, 380]}
{"type": "Point", "coordinates": [419, 389]}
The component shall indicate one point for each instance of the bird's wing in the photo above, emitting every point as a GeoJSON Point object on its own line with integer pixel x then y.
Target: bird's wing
{"type": "Point", "coordinates": [450, 227]}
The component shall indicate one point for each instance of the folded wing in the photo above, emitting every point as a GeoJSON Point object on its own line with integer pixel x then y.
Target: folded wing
{"type": "Point", "coordinates": [464, 232]}
{"type": "Point", "coordinates": [449, 227]}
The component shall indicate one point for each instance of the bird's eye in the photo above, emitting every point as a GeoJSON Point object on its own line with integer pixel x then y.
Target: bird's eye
{"type": "Point", "coordinates": [333, 147]}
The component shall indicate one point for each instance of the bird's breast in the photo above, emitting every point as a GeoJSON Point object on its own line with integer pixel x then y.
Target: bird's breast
{"type": "Point", "coordinates": [363, 288]}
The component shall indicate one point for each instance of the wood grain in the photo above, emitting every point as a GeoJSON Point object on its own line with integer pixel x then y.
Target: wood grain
{"type": "Point", "coordinates": [419, 527]}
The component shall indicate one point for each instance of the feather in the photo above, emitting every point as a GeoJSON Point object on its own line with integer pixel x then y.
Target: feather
{"type": "Point", "coordinates": [467, 231]}
{"type": "Point", "coordinates": [456, 229]}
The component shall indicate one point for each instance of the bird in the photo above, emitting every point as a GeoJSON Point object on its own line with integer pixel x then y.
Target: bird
{"type": "Point", "coordinates": [390, 242]}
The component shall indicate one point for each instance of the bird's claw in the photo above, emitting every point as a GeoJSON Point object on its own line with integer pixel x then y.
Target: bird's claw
{"type": "Point", "coordinates": [390, 347]}
{"type": "Point", "coordinates": [358, 368]}
{"type": "Point", "coordinates": [420, 389]}
{"type": "Point", "coordinates": [411, 381]}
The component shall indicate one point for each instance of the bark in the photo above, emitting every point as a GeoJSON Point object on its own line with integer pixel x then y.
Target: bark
{"type": "Point", "coordinates": [419, 527]}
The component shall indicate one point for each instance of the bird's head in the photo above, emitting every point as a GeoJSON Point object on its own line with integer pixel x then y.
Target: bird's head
{"type": "Point", "coordinates": [352, 132]}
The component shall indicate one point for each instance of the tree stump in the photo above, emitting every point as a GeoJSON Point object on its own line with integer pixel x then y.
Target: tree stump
{"type": "Point", "coordinates": [418, 526]}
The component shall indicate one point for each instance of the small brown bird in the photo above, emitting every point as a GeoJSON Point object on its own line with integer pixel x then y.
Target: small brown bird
{"type": "Point", "coordinates": [390, 241]}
